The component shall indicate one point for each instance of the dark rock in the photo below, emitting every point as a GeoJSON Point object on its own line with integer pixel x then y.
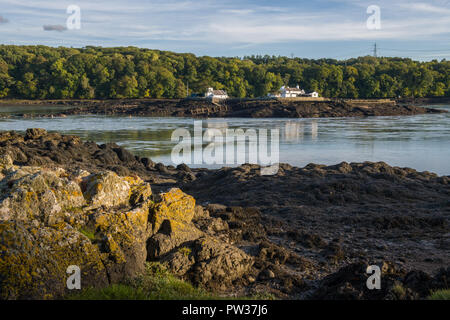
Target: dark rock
{"type": "Point", "coordinates": [35, 133]}
{"type": "Point", "coordinates": [184, 167]}
{"type": "Point", "coordinates": [266, 274]}
{"type": "Point", "coordinates": [124, 155]}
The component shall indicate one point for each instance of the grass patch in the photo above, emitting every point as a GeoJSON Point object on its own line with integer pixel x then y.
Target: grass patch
{"type": "Point", "coordinates": [185, 251]}
{"type": "Point", "coordinates": [157, 283]}
{"type": "Point", "coordinates": [440, 295]}
{"type": "Point", "coordinates": [160, 284]}
{"type": "Point", "coordinates": [399, 291]}
{"type": "Point", "coordinates": [90, 234]}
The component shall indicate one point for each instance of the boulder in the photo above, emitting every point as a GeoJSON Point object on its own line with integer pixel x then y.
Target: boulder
{"type": "Point", "coordinates": [5, 161]}
{"type": "Point", "coordinates": [46, 226]}
{"type": "Point", "coordinates": [188, 251]}
{"type": "Point", "coordinates": [349, 283]}
{"type": "Point", "coordinates": [34, 193]}
{"type": "Point", "coordinates": [140, 191]}
{"type": "Point", "coordinates": [34, 260]}
{"type": "Point", "coordinates": [208, 262]}
{"type": "Point", "coordinates": [217, 264]}
{"type": "Point", "coordinates": [171, 219]}
{"type": "Point", "coordinates": [106, 189]}
{"type": "Point", "coordinates": [200, 213]}
{"type": "Point", "coordinates": [175, 206]}
{"type": "Point", "coordinates": [180, 261]}
{"type": "Point", "coordinates": [35, 133]}
{"type": "Point", "coordinates": [123, 241]}
{"type": "Point", "coordinates": [171, 235]}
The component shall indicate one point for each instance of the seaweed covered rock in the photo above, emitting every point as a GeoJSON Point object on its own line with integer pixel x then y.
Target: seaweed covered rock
{"type": "Point", "coordinates": [40, 148]}
{"type": "Point", "coordinates": [34, 133]}
{"type": "Point", "coordinates": [349, 283]}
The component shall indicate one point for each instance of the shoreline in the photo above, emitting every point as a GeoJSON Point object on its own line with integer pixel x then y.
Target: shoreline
{"type": "Point", "coordinates": [305, 230]}
{"type": "Point", "coordinates": [242, 108]}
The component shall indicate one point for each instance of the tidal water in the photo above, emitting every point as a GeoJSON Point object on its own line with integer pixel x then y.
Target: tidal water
{"type": "Point", "coordinates": [421, 142]}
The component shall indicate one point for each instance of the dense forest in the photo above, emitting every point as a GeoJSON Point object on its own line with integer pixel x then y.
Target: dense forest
{"type": "Point", "coordinates": [40, 72]}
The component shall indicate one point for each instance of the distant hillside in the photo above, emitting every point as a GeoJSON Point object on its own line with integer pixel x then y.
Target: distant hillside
{"type": "Point", "coordinates": [40, 72]}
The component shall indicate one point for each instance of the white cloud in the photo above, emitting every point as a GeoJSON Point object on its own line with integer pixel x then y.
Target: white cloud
{"type": "Point", "coordinates": [426, 7]}
{"type": "Point", "coordinates": [294, 27]}
{"type": "Point", "coordinates": [234, 23]}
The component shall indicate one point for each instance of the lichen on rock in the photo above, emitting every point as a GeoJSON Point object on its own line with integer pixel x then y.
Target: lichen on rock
{"type": "Point", "coordinates": [188, 251]}
{"type": "Point", "coordinates": [43, 221]}
{"type": "Point", "coordinates": [108, 225]}
{"type": "Point", "coordinates": [105, 189]}
{"type": "Point", "coordinates": [34, 260]}
{"type": "Point", "coordinates": [38, 193]}
{"type": "Point", "coordinates": [175, 206]}
{"type": "Point", "coordinates": [124, 235]}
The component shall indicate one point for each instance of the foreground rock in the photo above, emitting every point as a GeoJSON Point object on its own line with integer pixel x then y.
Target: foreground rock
{"type": "Point", "coordinates": [303, 233]}
{"type": "Point", "coordinates": [40, 148]}
{"type": "Point", "coordinates": [189, 252]}
{"type": "Point", "coordinates": [51, 219]}
{"type": "Point", "coordinates": [349, 283]}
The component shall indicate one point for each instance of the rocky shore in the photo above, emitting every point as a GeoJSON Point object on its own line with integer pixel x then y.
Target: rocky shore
{"type": "Point", "coordinates": [246, 108]}
{"type": "Point", "coordinates": [305, 233]}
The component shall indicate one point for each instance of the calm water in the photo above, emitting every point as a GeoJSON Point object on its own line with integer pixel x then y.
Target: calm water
{"type": "Point", "coordinates": [421, 142]}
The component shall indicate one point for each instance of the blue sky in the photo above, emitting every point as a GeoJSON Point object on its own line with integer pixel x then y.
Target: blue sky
{"type": "Point", "coordinates": [309, 29]}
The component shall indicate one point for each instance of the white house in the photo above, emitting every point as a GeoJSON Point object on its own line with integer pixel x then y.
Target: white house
{"type": "Point", "coordinates": [216, 94]}
{"type": "Point", "coordinates": [312, 94]}
{"type": "Point", "coordinates": [287, 92]}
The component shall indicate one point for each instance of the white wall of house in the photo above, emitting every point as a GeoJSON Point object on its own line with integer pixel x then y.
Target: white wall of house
{"type": "Point", "coordinates": [291, 92]}
{"type": "Point", "coordinates": [210, 93]}
{"type": "Point", "coordinates": [286, 92]}
{"type": "Point", "coordinates": [220, 96]}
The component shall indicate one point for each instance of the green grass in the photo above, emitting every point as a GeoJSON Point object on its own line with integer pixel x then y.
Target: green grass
{"type": "Point", "coordinates": [88, 233]}
{"type": "Point", "coordinates": [440, 295]}
{"type": "Point", "coordinates": [157, 283]}
{"type": "Point", "coordinates": [185, 251]}
{"type": "Point", "coordinates": [113, 292]}
{"type": "Point", "coordinates": [399, 291]}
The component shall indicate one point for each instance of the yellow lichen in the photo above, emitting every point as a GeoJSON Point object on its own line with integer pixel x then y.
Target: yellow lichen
{"type": "Point", "coordinates": [175, 206]}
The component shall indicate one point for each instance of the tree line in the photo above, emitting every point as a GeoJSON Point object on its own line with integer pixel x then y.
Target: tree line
{"type": "Point", "coordinates": [41, 72]}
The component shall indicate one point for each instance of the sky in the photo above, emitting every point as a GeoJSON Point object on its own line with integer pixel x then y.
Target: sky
{"type": "Point", "coordinates": [335, 29]}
